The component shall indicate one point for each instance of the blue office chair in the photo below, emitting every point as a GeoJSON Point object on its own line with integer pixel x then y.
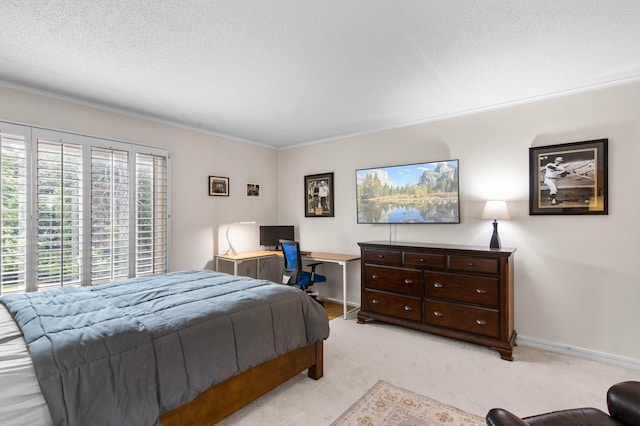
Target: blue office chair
{"type": "Point", "coordinates": [293, 274]}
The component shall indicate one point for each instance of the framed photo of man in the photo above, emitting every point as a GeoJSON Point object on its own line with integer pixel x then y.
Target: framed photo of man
{"type": "Point", "coordinates": [318, 195]}
{"type": "Point", "coordinates": [568, 179]}
{"type": "Point", "coordinates": [218, 186]}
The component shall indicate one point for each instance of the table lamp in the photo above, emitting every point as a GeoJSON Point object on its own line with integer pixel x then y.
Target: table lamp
{"type": "Point", "coordinates": [231, 250]}
{"type": "Point", "coordinates": [495, 210]}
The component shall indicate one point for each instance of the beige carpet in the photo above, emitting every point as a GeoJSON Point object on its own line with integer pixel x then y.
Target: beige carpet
{"type": "Point", "coordinates": [388, 405]}
{"type": "Point", "coordinates": [470, 377]}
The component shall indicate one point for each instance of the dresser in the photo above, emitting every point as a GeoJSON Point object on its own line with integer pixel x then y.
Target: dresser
{"type": "Point", "coordinates": [463, 292]}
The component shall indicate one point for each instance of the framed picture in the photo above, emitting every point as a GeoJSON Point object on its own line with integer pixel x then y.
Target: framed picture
{"type": "Point", "coordinates": [318, 195]}
{"type": "Point", "coordinates": [219, 186]}
{"type": "Point", "coordinates": [253, 190]}
{"type": "Point", "coordinates": [568, 179]}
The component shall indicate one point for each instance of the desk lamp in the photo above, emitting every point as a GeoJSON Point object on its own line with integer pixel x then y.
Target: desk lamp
{"type": "Point", "coordinates": [231, 250]}
{"type": "Point", "coordinates": [495, 210]}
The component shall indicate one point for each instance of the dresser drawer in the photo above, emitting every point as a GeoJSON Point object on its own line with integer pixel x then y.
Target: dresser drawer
{"type": "Point", "coordinates": [383, 257]}
{"type": "Point", "coordinates": [424, 260]}
{"type": "Point", "coordinates": [391, 279]}
{"type": "Point", "coordinates": [395, 305]}
{"type": "Point", "coordinates": [464, 318]}
{"type": "Point", "coordinates": [480, 265]}
{"type": "Point", "coordinates": [463, 288]}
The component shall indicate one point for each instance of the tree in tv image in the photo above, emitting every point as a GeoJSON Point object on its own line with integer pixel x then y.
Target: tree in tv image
{"type": "Point", "coordinates": [413, 193]}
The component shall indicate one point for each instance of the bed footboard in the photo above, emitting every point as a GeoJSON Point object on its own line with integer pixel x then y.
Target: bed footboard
{"type": "Point", "coordinates": [226, 398]}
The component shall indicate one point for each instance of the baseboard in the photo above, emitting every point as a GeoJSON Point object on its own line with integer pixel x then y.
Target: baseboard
{"type": "Point", "coordinates": [340, 301]}
{"type": "Point", "coordinates": [581, 352]}
{"type": "Point", "coordinates": [334, 300]}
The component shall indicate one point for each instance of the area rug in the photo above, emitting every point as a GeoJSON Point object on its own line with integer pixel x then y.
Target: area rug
{"type": "Point", "coordinates": [388, 405]}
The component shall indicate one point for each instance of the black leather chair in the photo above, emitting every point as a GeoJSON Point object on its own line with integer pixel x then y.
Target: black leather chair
{"type": "Point", "coordinates": [623, 402]}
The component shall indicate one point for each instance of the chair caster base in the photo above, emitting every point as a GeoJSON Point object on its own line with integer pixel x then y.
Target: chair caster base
{"type": "Point", "coordinates": [314, 296]}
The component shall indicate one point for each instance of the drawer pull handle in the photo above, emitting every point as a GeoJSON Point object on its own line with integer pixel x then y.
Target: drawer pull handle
{"type": "Point", "coordinates": [471, 264]}
{"type": "Point", "coordinates": [422, 260]}
{"type": "Point", "coordinates": [375, 276]}
{"type": "Point", "coordinates": [437, 313]}
{"type": "Point", "coordinates": [408, 281]}
{"type": "Point", "coordinates": [408, 308]}
{"type": "Point", "coordinates": [481, 291]}
{"type": "Point", "coordinates": [381, 256]}
{"type": "Point", "coordinates": [438, 285]}
{"type": "Point", "coordinates": [375, 301]}
{"type": "Point", "coordinates": [481, 322]}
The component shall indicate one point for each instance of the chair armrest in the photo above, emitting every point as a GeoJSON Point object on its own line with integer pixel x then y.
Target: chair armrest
{"type": "Point", "coordinates": [313, 265]}
{"type": "Point", "coordinates": [623, 401]}
{"type": "Point", "coordinates": [501, 417]}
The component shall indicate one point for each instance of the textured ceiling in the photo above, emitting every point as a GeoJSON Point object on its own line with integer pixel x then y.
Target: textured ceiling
{"type": "Point", "coordinates": [286, 72]}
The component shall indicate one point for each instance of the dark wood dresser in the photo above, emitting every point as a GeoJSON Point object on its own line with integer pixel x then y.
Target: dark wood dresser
{"type": "Point", "coordinates": [464, 292]}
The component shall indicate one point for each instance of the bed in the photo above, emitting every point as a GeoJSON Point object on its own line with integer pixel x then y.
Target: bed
{"type": "Point", "coordinates": [187, 347]}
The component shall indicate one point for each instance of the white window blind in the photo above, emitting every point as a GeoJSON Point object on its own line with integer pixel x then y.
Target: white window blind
{"type": "Point", "coordinates": [109, 215]}
{"type": "Point", "coordinates": [151, 214]}
{"type": "Point", "coordinates": [60, 208]}
{"type": "Point", "coordinates": [13, 210]}
{"type": "Point", "coordinates": [78, 210]}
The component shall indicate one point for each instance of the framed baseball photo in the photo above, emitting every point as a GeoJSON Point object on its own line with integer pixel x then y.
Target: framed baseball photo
{"type": "Point", "coordinates": [568, 179]}
{"type": "Point", "coordinates": [318, 195]}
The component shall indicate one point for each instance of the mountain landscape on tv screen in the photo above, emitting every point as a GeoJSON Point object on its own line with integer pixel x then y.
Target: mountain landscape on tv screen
{"type": "Point", "coordinates": [415, 193]}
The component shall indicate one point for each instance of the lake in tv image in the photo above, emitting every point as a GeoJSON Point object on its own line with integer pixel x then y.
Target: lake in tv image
{"type": "Point", "coordinates": [410, 193]}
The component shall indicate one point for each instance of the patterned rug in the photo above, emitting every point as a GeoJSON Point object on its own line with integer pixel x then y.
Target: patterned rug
{"type": "Point", "coordinates": [388, 405]}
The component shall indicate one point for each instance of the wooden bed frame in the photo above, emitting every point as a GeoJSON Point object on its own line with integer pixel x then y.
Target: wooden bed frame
{"type": "Point", "coordinates": [224, 399]}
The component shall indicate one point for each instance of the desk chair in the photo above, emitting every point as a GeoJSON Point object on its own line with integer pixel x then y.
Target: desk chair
{"type": "Point", "coordinates": [293, 274]}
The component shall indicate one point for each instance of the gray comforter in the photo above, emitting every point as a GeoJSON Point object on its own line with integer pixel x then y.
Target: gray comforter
{"type": "Point", "coordinates": [125, 352]}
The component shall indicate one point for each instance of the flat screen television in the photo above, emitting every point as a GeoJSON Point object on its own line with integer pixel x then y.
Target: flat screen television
{"type": "Point", "coordinates": [270, 235]}
{"type": "Point", "coordinates": [410, 193]}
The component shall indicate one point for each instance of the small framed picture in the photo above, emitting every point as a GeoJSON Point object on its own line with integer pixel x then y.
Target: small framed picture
{"type": "Point", "coordinates": [218, 186]}
{"type": "Point", "coordinates": [569, 179]}
{"type": "Point", "coordinates": [253, 190]}
{"type": "Point", "coordinates": [318, 195]}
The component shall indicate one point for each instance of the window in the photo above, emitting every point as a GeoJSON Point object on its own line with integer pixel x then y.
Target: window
{"type": "Point", "coordinates": [151, 214]}
{"type": "Point", "coordinates": [100, 209]}
{"type": "Point", "coordinates": [59, 205]}
{"type": "Point", "coordinates": [13, 209]}
{"type": "Point", "coordinates": [109, 215]}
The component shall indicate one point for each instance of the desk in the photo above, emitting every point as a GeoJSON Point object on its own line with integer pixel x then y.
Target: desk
{"type": "Point", "coordinates": [237, 259]}
{"type": "Point", "coordinates": [340, 259]}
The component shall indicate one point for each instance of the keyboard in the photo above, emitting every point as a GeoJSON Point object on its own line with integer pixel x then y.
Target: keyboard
{"type": "Point", "coordinates": [305, 253]}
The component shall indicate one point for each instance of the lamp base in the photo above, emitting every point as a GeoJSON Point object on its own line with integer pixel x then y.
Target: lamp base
{"type": "Point", "coordinates": [495, 238]}
{"type": "Point", "coordinates": [229, 252]}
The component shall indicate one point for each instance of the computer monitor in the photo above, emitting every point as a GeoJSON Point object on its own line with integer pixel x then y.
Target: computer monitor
{"type": "Point", "coordinates": [270, 236]}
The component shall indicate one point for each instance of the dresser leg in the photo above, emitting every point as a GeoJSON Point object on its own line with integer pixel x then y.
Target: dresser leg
{"type": "Point", "coordinates": [361, 319]}
{"type": "Point", "coordinates": [506, 354]}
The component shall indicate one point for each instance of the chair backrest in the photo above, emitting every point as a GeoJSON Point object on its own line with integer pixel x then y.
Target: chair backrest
{"type": "Point", "coordinates": [292, 261]}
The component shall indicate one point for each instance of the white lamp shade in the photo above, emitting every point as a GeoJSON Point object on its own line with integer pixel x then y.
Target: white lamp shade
{"type": "Point", "coordinates": [495, 210]}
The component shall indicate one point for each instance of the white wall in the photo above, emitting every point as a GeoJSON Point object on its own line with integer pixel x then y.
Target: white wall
{"type": "Point", "coordinates": [198, 220]}
{"type": "Point", "coordinates": [577, 282]}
